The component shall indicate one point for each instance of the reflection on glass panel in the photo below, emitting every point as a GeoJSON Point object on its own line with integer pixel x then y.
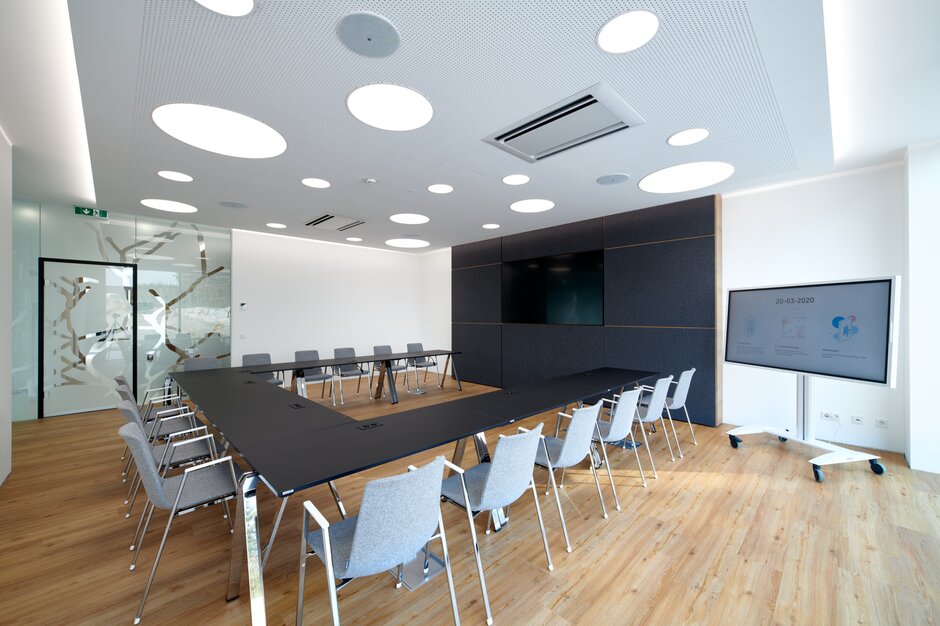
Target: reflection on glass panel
{"type": "Point", "coordinates": [24, 303]}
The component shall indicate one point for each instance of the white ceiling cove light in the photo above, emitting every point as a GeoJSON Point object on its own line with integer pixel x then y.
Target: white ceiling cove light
{"type": "Point", "coordinates": [170, 206]}
{"type": "Point", "coordinates": [532, 205]}
{"type": "Point", "coordinates": [178, 177]}
{"type": "Point", "coordinates": [219, 130]}
{"type": "Point", "coordinates": [491, 226]}
{"type": "Point", "coordinates": [686, 177]}
{"type": "Point", "coordinates": [688, 137]}
{"type": "Point", "coordinates": [390, 107]}
{"type": "Point", "coordinates": [410, 218]}
{"type": "Point", "coordinates": [627, 32]}
{"type": "Point", "coordinates": [516, 179]}
{"type": "Point", "coordinates": [316, 183]}
{"type": "Point", "coordinates": [232, 8]}
{"type": "Point", "coordinates": [407, 242]}
{"type": "Point", "coordinates": [440, 188]}
{"type": "Point", "coordinates": [275, 225]}
{"type": "Point", "coordinates": [354, 239]}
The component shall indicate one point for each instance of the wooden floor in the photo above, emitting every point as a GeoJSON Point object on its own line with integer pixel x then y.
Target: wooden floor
{"type": "Point", "coordinates": [722, 537]}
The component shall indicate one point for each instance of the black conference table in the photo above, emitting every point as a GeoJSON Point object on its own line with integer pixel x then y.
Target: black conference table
{"type": "Point", "coordinates": [293, 444]}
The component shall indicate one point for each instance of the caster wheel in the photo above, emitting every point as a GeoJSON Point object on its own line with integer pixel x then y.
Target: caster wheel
{"type": "Point", "coordinates": [734, 441]}
{"type": "Point", "coordinates": [877, 467]}
{"type": "Point", "coordinates": [782, 439]}
{"type": "Point", "coordinates": [818, 474]}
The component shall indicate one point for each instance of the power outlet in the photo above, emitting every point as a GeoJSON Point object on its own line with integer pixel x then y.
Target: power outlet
{"type": "Point", "coordinates": [858, 419]}
{"type": "Point", "coordinates": [881, 422]}
{"type": "Point", "coordinates": [831, 416]}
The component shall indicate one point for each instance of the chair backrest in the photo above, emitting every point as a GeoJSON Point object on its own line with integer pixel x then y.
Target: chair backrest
{"type": "Point", "coordinates": [622, 418]}
{"type": "Point", "coordinates": [258, 358]}
{"type": "Point", "coordinates": [397, 517]}
{"type": "Point", "coordinates": [130, 412]}
{"type": "Point", "coordinates": [134, 437]}
{"type": "Point", "coordinates": [121, 380]}
{"type": "Point", "coordinates": [345, 353]}
{"type": "Point", "coordinates": [416, 347]}
{"type": "Point", "coordinates": [200, 363]}
{"type": "Point", "coordinates": [125, 393]}
{"type": "Point", "coordinates": [308, 355]}
{"type": "Point", "coordinates": [682, 390]}
{"type": "Point", "coordinates": [577, 442]}
{"type": "Point", "coordinates": [377, 350]}
{"type": "Point", "coordinates": [658, 398]}
{"type": "Point", "coordinates": [511, 469]}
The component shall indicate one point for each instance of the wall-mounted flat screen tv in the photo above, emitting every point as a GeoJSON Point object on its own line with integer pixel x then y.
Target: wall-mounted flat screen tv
{"type": "Point", "coordinates": [841, 330]}
{"type": "Point", "coordinates": [561, 289]}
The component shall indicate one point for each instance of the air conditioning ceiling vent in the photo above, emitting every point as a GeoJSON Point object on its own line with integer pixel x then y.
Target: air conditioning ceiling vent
{"type": "Point", "coordinates": [336, 223]}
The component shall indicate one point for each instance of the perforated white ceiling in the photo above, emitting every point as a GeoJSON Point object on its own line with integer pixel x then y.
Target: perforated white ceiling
{"type": "Point", "coordinates": [753, 73]}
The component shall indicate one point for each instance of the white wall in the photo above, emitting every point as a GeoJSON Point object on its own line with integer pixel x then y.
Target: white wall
{"type": "Point", "coordinates": [923, 194]}
{"type": "Point", "coordinates": [844, 226]}
{"type": "Point", "coordinates": [6, 320]}
{"type": "Point", "coordinates": [304, 294]}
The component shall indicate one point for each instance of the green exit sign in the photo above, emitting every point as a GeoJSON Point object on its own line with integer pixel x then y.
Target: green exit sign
{"type": "Point", "coordinates": [99, 213]}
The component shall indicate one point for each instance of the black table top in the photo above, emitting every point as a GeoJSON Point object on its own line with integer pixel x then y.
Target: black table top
{"type": "Point", "coordinates": [296, 448]}
{"type": "Point", "coordinates": [359, 358]}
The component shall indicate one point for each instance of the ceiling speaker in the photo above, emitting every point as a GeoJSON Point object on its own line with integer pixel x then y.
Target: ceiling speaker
{"type": "Point", "coordinates": [368, 34]}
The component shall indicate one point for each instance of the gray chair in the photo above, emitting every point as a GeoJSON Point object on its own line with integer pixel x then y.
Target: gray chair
{"type": "Point", "coordinates": [347, 370]}
{"type": "Point", "coordinates": [495, 485]}
{"type": "Point", "coordinates": [653, 409]}
{"type": "Point", "coordinates": [261, 358]}
{"type": "Point", "coordinates": [199, 486]}
{"type": "Point", "coordinates": [399, 515]}
{"type": "Point", "coordinates": [312, 374]}
{"type": "Point", "coordinates": [571, 451]}
{"type": "Point", "coordinates": [424, 363]}
{"type": "Point", "coordinates": [677, 401]}
{"type": "Point", "coordinates": [622, 412]}
{"type": "Point", "coordinates": [377, 365]}
{"type": "Point", "coordinates": [200, 363]}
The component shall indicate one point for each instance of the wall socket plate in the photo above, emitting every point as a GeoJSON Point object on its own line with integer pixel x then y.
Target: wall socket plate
{"type": "Point", "coordinates": [831, 416]}
{"type": "Point", "coordinates": [858, 419]}
{"type": "Point", "coordinates": [881, 422]}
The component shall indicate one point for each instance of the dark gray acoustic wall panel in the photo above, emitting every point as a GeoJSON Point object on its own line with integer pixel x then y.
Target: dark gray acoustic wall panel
{"type": "Point", "coordinates": [576, 237]}
{"type": "Point", "coordinates": [669, 351]}
{"type": "Point", "coordinates": [539, 351]}
{"type": "Point", "coordinates": [689, 218]}
{"type": "Point", "coordinates": [476, 294]}
{"type": "Point", "coordinates": [479, 253]}
{"type": "Point", "coordinates": [481, 352]}
{"type": "Point", "coordinates": [663, 284]}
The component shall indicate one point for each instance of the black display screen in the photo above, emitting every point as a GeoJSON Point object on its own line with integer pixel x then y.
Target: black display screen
{"type": "Point", "coordinates": [561, 289]}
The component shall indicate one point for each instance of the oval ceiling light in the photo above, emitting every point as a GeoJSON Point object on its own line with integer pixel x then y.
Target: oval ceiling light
{"type": "Point", "coordinates": [219, 130]}
{"type": "Point", "coordinates": [410, 218]}
{"type": "Point", "coordinates": [686, 177]}
{"type": "Point", "coordinates": [170, 206]}
{"type": "Point", "coordinates": [178, 177]}
{"type": "Point", "coordinates": [627, 32]}
{"type": "Point", "coordinates": [440, 188]}
{"type": "Point", "coordinates": [516, 179]}
{"type": "Point", "coordinates": [532, 205]}
{"type": "Point", "coordinates": [354, 239]}
{"type": "Point", "coordinates": [407, 242]}
{"type": "Point", "coordinates": [232, 8]}
{"type": "Point", "coordinates": [275, 225]}
{"type": "Point", "coordinates": [491, 226]}
{"type": "Point", "coordinates": [688, 137]}
{"type": "Point", "coordinates": [316, 183]}
{"type": "Point", "coordinates": [389, 107]}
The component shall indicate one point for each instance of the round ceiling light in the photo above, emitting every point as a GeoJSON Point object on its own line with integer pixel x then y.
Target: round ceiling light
{"type": "Point", "coordinates": [219, 130]}
{"type": "Point", "coordinates": [688, 137]}
{"type": "Point", "coordinates": [316, 183]}
{"type": "Point", "coordinates": [232, 8]}
{"type": "Point", "coordinates": [410, 218]}
{"type": "Point", "coordinates": [627, 32]}
{"type": "Point", "coordinates": [686, 177]}
{"type": "Point", "coordinates": [354, 239]}
{"type": "Point", "coordinates": [532, 205]}
{"type": "Point", "coordinates": [275, 225]}
{"type": "Point", "coordinates": [170, 206]}
{"type": "Point", "coordinates": [390, 107]}
{"type": "Point", "coordinates": [407, 242]}
{"type": "Point", "coordinates": [178, 177]}
{"type": "Point", "coordinates": [491, 226]}
{"type": "Point", "coordinates": [516, 179]}
{"type": "Point", "coordinates": [440, 188]}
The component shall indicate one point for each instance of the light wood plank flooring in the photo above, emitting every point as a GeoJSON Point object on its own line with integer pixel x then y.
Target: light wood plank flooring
{"type": "Point", "coordinates": [722, 537]}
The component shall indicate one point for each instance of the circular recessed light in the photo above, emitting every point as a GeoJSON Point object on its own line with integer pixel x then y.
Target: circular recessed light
{"type": "Point", "coordinates": [178, 177]}
{"type": "Point", "coordinates": [168, 205]}
{"type": "Point", "coordinates": [316, 183]}
{"type": "Point", "coordinates": [219, 130]}
{"type": "Point", "coordinates": [390, 107]}
{"type": "Point", "coordinates": [232, 8]}
{"type": "Point", "coordinates": [516, 179]}
{"type": "Point", "coordinates": [440, 188]}
{"type": "Point", "coordinates": [354, 239]}
{"type": "Point", "coordinates": [410, 218]}
{"type": "Point", "coordinates": [686, 177]}
{"type": "Point", "coordinates": [275, 225]}
{"type": "Point", "coordinates": [532, 205]}
{"type": "Point", "coordinates": [627, 32]}
{"type": "Point", "coordinates": [688, 137]}
{"type": "Point", "coordinates": [407, 242]}
{"type": "Point", "coordinates": [491, 226]}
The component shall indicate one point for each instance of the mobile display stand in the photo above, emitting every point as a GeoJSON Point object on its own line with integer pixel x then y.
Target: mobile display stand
{"type": "Point", "coordinates": [806, 434]}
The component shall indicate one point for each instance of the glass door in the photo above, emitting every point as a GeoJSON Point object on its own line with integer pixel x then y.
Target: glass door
{"type": "Point", "coordinates": [87, 335]}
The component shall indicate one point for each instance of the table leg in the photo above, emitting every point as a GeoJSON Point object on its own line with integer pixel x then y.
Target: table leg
{"type": "Point", "coordinates": [459, 449]}
{"type": "Point", "coordinates": [387, 373]}
{"type": "Point", "coordinates": [246, 519]}
{"type": "Point", "coordinates": [446, 366]}
{"type": "Point", "coordinates": [337, 499]}
{"type": "Point", "coordinates": [277, 524]}
{"type": "Point", "coordinates": [377, 394]}
{"type": "Point", "coordinates": [456, 377]}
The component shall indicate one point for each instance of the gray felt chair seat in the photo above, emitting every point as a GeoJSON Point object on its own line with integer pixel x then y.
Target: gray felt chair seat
{"type": "Point", "coordinates": [341, 536]}
{"type": "Point", "coordinates": [185, 453]}
{"type": "Point", "coordinates": [476, 480]}
{"type": "Point", "coordinates": [170, 426]}
{"type": "Point", "coordinates": [554, 446]}
{"type": "Point", "coordinates": [208, 485]}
